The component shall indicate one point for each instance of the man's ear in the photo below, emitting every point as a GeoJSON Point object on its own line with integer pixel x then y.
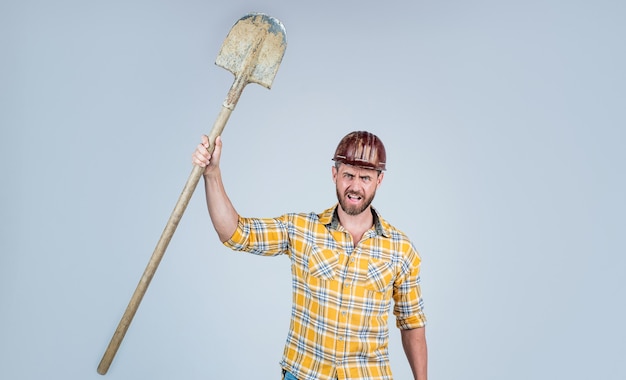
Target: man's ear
{"type": "Point", "coordinates": [334, 172]}
{"type": "Point", "coordinates": [379, 179]}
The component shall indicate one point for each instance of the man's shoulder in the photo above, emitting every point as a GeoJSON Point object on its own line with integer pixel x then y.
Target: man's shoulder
{"type": "Point", "coordinates": [393, 233]}
{"type": "Point", "coordinates": [324, 217]}
{"type": "Point", "coordinates": [386, 228]}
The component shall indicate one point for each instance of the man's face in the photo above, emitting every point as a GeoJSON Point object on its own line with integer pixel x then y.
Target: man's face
{"type": "Point", "coordinates": [356, 187]}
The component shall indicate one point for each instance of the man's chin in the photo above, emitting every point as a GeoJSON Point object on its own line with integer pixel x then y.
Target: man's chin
{"type": "Point", "coordinates": [352, 209]}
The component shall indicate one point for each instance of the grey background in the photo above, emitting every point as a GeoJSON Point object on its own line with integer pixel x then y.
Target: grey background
{"type": "Point", "coordinates": [504, 125]}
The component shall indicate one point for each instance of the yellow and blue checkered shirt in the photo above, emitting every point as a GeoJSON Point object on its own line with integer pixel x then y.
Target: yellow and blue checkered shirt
{"type": "Point", "coordinates": [342, 293]}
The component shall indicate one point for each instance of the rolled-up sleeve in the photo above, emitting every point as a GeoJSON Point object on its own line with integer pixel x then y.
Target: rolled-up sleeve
{"type": "Point", "coordinates": [260, 236]}
{"type": "Point", "coordinates": [407, 294]}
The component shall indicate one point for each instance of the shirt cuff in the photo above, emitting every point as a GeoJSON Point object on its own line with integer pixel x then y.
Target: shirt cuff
{"type": "Point", "coordinates": [239, 238]}
{"type": "Point", "coordinates": [412, 322]}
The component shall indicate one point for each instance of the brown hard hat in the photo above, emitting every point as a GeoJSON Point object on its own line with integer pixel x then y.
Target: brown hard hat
{"type": "Point", "coordinates": [362, 149]}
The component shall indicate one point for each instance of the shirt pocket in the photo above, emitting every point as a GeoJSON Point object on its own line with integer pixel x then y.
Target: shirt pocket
{"type": "Point", "coordinates": [323, 263]}
{"type": "Point", "coordinates": [379, 275]}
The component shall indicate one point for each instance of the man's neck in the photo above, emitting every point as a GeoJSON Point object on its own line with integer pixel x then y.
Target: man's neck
{"type": "Point", "coordinates": [356, 225]}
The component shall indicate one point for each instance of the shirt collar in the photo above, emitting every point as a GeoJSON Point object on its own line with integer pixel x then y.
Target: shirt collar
{"type": "Point", "coordinates": [330, 218]}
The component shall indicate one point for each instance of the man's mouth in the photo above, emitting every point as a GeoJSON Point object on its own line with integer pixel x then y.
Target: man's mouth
{"type": "Point", "coordinates": [354, 197]}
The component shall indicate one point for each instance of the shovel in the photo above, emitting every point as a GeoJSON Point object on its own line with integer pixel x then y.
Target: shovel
{"type": "Point", "coordinates": [252, 51]}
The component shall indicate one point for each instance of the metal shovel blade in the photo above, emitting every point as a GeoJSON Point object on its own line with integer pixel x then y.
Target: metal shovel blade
{"type": "Point", "coordinates": [254, 48]}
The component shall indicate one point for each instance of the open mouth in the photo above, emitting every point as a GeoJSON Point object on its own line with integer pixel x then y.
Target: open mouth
{"type": "Point", "coordinates": [354, 197]}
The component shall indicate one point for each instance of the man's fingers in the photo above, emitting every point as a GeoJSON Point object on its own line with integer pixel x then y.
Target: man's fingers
{"type": "Point", "coordinates": [201, 155]}
{"type": "Point", "coordinates": [217, 152]}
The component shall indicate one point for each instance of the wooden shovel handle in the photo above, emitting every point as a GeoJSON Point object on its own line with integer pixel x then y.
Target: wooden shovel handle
{"type": "Point", "coordinates": [160, 248]}
{"type": "Point", "coordinates": [245, 69]}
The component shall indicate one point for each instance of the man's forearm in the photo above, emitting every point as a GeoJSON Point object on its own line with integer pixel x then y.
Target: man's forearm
{"type": "Point", "coordinates": [223, 214]}
{"type": "Point", "coordinates": [414, 344]}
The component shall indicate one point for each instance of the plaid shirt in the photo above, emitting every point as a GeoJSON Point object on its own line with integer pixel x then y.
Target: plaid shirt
{"type": "Point", "coordinates": [341, 292]}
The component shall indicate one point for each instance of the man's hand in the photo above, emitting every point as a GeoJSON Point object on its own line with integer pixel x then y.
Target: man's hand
{"type": "Point", "coordinates": [203, 159]}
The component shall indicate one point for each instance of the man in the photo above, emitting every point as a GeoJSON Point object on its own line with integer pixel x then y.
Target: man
{"type": "Point", "coordinates": [347, 264]}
